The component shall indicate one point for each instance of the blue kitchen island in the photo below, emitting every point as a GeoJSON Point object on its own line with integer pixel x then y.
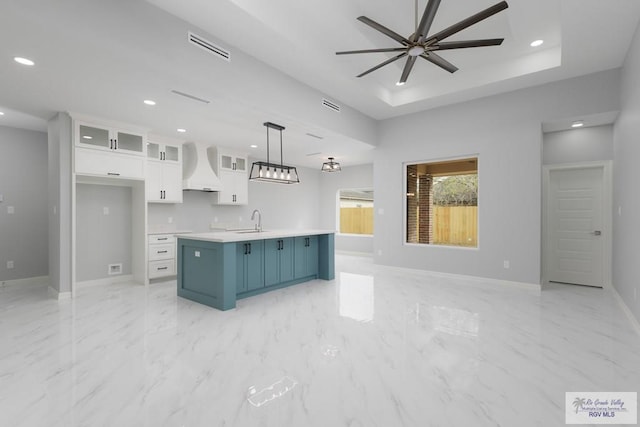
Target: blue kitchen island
{"type": "Point", "coordinates": [218, 268]}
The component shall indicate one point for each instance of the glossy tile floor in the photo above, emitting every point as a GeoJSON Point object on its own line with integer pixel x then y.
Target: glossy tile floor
{"type": "Point", "coordinates": [376, 347]}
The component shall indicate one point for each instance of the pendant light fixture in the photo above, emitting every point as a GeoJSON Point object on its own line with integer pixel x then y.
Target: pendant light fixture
{"type": "Point", "coordinates": [331, 166]}
{"type": "Point", "coordinates": [273, 172]}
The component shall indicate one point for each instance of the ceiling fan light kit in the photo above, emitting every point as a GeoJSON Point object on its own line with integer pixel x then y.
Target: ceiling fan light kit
{"type": "Point", "coordinates": [420, 44]}
{"type": "Point", "coordinates": [273, 172]}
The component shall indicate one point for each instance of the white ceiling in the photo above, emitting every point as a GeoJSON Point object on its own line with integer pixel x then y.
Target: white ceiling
{"type": "Point", "coordinates": [102, 57]}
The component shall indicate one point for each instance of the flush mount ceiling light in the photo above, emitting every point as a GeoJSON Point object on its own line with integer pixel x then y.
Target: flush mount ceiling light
{"type": "Point", "coordinates": [1, 113]}
{"type": "Point", "coordinates": [253, 146]}
{"type": "Point", "coordinates": [536, 43]}
{"type": "Point", "coordinates": [181, 130]}
{"type": "Point", "coordinates": [577, 124]}
{"type": "Point", "coordinates": [149, 102]}
{"type": "Point", "coordinates": [422, 45]}
{"type": "Point", "coordinates": [273, 172]}
{"type": "Point", "coordinates": [24, 61]}
{"type": "Point", "coordinates": [331, 166]}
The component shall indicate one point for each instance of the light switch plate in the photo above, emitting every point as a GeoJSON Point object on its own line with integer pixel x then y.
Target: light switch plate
{"type": "Point", "coordinates": [11, 210]}
{"type": "Point", "coordinates": [1, 198]}
{"type": "Point", "coordinates": [105, 210]}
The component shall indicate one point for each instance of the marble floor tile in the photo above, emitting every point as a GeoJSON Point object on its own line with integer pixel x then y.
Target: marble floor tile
{"type": "Point", "coordinates": [377, 346]}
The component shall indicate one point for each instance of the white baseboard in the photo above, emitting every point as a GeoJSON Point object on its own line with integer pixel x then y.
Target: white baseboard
{"type": "Point", "coordinates": [58, 295]}
{"type": "Point", "coordinates": [354, 253]}
{"type": "Point", "coordinates": [28, 281]}
{"type": "Point", "coordinates": [627, 311]}
{"type": "Point", "coordinates": [105, 281]}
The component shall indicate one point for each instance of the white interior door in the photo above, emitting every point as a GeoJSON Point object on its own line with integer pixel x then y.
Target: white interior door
{"type": "Point", "coordinates": [575, 225]}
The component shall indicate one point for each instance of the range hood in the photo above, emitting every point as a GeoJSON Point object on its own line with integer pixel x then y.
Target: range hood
{"type": "Point", "coordinates": [198, 175]}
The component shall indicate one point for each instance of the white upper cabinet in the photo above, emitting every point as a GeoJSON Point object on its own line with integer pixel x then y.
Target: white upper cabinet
{"type": "Point", "coordinates": [108, 138]}
{"type": "Point", "coordinates": [112, 151]}
{"type": "Point", "coordinates": [164, 152]}
{"type": "Point", "coordinates": [164, 173]}
{"type": "Point", "coordinates": [231, 168]}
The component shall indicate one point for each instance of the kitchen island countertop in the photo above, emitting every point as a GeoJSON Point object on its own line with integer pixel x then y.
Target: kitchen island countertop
{"type": "Point", "coordinates": [249, 234]}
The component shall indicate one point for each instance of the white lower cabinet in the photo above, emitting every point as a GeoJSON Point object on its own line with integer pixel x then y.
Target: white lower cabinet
{"type": "Point", "coordinates": [162, 255]}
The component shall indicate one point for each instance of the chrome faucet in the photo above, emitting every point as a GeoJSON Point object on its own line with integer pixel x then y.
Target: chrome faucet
{"type": "Point", "coordinates": [253, 216]}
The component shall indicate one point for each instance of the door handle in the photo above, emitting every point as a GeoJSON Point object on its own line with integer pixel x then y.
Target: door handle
{"type": "Point", "coordinates": [596, 233]}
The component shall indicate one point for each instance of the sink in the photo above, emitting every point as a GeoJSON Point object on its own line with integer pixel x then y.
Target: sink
{"type": "Point", "coordinates": [249, 231]}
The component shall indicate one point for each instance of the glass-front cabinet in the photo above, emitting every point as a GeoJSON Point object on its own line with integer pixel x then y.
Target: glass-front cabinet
{"type": "Point", "coordinates": [106, 138]}
{"type": "Point", "coordinates": [164, 152]}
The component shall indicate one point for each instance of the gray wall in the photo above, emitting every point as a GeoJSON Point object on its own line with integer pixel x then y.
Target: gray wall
{"type": "Point", "coordinates": [23, 185]}
{"type": "Point", "coordinates": [281, 206]}
{"type": "Point", "coordinates": [505, 132]}
{"type": "Point", "coordinates": [350, 177]}
{"type": "Point", "coordinates": [626, 176]}
{"type": "Point", "coordinates": [102, 239]}
{"type": "Point", "coordinates": [578, 145]}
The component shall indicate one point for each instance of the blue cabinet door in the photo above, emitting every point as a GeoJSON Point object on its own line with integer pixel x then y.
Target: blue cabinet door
{"type": "Point", "coordinates": [286, 259]}
{"type": "Point", "coordinates": [241, 253]}
{"type": "Point", "coordinates": [306, 256]}
{"type": "Point", "coordinates": [254, 266]}
{"type": "Point", "coordinates": [312, 256]}
{"type": "Point", "coordinates": [278, 261]}
{"type": "Point", "coordinates": [300, 256]}
{"type": "Point", "coordinates": [271, 262]}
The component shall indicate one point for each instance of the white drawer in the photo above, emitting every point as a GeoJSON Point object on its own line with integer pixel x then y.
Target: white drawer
{"type": "Point", "coordinates": [162, 268]}
{"type": "Point", "coordinates": [161, 238]}
{"type": "Point", "coordinates": [164, 251]}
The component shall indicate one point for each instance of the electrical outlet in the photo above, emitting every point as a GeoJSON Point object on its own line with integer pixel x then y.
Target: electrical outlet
{"type": "Point", "coordinates": [239, 219]}
{"type": "Point", "coordinates": [105, 210]}
{"type": "Point", "coordinates": [9, 264]}
{"type": "Point", "coordinates": [170, 220]}
{"type": "Point", "coordinates": [11, 210]}
{"type": "Point", "coordinates": [619, 210]}
{"type": "Point", "coordinates": [1, 198]}
{"type": "Point", "coordinates": [379, 252]}
{"type": "Point", "coordinates": [506, 264]}
{"type": "Point", "coordinates": [635, 294]}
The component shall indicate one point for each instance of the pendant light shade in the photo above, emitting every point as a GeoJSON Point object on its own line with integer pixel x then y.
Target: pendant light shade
{"type": "Point", "coordinates": [331, 166]}
{"type": "Point", "coordinates": [274, 172]}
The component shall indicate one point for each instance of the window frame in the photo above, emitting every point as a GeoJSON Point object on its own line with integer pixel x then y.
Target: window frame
{"type": "Point", "coordinates": [404, 202]}
{"type": "Point", "coordinates": [337, 211]}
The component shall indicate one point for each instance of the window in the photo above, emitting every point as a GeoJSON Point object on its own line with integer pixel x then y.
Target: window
{"type": "Point", "coordinates": [442, 203]}
{"type": "Point", "coordinates": [356, 211]}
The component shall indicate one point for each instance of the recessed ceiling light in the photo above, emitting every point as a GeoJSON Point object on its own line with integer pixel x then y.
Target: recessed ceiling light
{"type": "Point", "coordinates": [536, 43]}
{"type": "Point", "coordinates": [400, 83]}
{"type": "Point", "coordinates": [181, 130]}
{"type": "Point", "coordinates": [1, 113]}
{"type": "Point", "coordinates": [87, 137]}
{"type": "Point", "coordinates": [149, 102]}
{"type": "Point", "coordinates": [578, 124]}
{"type": "Point", "coordinates": [24, 61]}
{"type": "Point", "coordinates": [253, 146]}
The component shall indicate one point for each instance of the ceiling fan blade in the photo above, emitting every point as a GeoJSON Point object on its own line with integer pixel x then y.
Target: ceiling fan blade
{"type": "Point", "coordinates": [466, 43]}
{"type": "Point", "coordinates": [384, 30]}
{"type": "Point", "coordinates": [388, 61]}
{"type": "Point", "coordinates": [391, 49]}
{"type": "Point", "coordinates": [498, 7]}
{"type": "Point", "coordinates": [440, 62]}
{"type": "Point", "coordinates": [426, 21]}
{"type": "Point", "coordinates": [407, 69]}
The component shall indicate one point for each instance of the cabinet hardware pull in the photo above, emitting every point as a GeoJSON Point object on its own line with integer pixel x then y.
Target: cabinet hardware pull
{"type": "Point", "coordinates": [162, 268]}
{"type": "Point", "coordinates": [162, 252]}
{"type": "Point", "coordinates": [115, 144]}
{"type": "Point", "coordinates": [245, 248]}
{"type": "Point", "coordinates": [113, 174]}
{"type": "Point", "coordinates": [249, 248]}
{"type": "Point", "coordinates": [163, 238]}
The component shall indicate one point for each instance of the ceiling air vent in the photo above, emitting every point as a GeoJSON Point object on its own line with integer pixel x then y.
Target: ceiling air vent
{"type": "Point", "coordinates": [209, 47]}
{"type": "Point", "coordinates": [331, 105]}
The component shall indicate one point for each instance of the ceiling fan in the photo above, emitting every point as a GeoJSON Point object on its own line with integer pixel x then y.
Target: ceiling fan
{"type": "Point", "coordinates": [420, 44]}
